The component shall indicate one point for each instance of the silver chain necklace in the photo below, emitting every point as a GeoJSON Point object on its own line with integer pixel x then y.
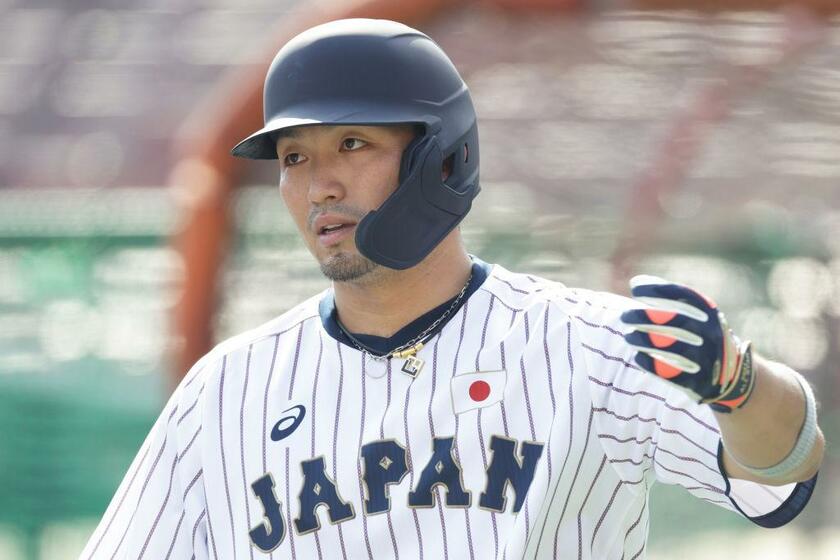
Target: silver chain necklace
{"type": "Point", "coordinates": [412, 364]}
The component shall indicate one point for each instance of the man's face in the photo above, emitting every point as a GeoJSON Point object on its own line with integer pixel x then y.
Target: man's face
{"type": "Point", "coordinates": [330, 178]}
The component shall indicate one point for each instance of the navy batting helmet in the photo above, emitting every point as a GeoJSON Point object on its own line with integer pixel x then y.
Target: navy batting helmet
{"type": "Point", "coordinates": [379, 72]}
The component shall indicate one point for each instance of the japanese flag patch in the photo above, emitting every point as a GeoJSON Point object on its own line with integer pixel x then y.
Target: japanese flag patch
{"type": "Point", "coordinates": [480, 389]}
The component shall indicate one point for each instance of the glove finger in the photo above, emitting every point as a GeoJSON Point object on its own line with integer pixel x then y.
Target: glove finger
{"type": "Point", "coordinates": [673, 306]}
{"type": "Point", "coordinates": [663, 364]}
{"type": "Point", "coordinates": [654, 341]}
{"type": "Point", "coordinates": [647, 363]}
{"type": "Point", "coordinates": [679, 298]}
{"type": "Point", "coordinates": [657, 318]}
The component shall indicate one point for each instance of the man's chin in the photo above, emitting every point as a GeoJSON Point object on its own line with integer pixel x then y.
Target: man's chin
{"type": "Point", "coordinates": [345, 267]}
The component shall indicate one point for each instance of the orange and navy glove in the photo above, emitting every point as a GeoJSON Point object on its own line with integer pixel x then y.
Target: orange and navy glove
{"type": "Point", "coordinates": [680, 335]}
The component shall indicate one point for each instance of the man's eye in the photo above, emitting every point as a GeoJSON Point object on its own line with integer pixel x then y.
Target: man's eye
{"type": "Point", "coordinates": [292, 159]}
{"type": "Point", "coordinates": [352, 144]}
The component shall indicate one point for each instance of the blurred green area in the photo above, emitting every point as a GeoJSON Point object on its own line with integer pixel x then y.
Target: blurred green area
{"type": "Point", "coordinates": [85, 288]}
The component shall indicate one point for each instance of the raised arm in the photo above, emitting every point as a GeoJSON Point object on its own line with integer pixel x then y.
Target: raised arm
{"type": "Point", "coordinates": [766, 411]}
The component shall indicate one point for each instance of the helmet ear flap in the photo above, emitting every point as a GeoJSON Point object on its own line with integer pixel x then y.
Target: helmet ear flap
{"type": "Point", "coordinates": [451, 165]}
{"type": "Point", "coordinates": [418, 214]}
{"type": "Point", "coordinates": [460, 164]}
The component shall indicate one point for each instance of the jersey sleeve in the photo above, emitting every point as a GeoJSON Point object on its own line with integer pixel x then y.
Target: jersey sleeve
{"type": "Point", "coordinates": [158, 510]}
{"type": "Point", "coordinates": [651, 431]}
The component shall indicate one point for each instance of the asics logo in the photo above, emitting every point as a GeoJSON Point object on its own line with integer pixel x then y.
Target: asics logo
{"type": "Point", "coordinates": [289, 423]}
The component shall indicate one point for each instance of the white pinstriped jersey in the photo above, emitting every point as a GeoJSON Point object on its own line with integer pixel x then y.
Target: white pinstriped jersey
{"type": "Point", "coordinates": [286, 443]}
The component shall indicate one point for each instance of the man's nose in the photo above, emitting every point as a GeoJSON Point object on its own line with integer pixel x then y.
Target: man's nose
{"type": "Point", "coordinates": [325, 183]}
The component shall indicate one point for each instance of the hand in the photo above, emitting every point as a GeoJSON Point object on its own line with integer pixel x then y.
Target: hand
{"type": "Point", "coordinates": [680, 335]}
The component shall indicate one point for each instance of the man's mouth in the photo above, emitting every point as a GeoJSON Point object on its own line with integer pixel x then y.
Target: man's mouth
{"type": "Point", "coordinates": [335, 227]}
{"type": "Point", "coordinates": [333, 234]}
{"type": "Point", "coordinates": [332, 228]}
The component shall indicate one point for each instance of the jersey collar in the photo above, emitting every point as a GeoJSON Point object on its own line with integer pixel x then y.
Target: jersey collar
{"type": "Point", "coordinates": [327, 310]}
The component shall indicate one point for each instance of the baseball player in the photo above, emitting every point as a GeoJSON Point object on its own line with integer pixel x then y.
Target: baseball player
{"type": "Point", "coordinates": [431, 405]}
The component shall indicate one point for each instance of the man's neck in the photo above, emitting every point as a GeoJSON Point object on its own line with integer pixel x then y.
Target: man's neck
{"type": "Point", "coordinates": [382, 308]}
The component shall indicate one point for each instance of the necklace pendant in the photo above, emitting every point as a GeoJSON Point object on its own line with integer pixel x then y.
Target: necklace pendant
{"type": "Point", "coordinates": [412, 366]}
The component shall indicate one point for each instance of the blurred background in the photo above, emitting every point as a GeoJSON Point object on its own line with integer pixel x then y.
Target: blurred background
{"type": "Point", "coordinates": [658, 137]}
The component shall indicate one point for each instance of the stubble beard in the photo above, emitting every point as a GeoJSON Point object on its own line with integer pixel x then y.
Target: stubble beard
{"type": "Point", "coordinates": [345, 267]}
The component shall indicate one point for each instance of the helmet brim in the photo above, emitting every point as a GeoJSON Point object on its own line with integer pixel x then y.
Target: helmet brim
{"type": "Point", "coordinates": [262, 143]}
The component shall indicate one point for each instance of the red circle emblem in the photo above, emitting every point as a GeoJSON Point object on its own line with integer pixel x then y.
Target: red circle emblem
{"type": "Point", "coordinates": [479, 390]}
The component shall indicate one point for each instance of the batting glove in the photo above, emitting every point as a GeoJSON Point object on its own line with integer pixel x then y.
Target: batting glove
{"type": "Point", "coordinates": [681, 336]}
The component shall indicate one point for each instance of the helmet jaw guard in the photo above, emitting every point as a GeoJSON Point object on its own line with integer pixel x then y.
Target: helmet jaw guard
{"type": "Point", "coordinates": [424, 208]}
{"type": "Point", "coordinates": [379, 72]}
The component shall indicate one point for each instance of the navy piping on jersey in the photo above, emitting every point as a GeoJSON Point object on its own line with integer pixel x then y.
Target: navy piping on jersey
{"type": "Point", "coordinates": [783, 514]}
{"type": "Point", "coordinates": [326, 308]}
